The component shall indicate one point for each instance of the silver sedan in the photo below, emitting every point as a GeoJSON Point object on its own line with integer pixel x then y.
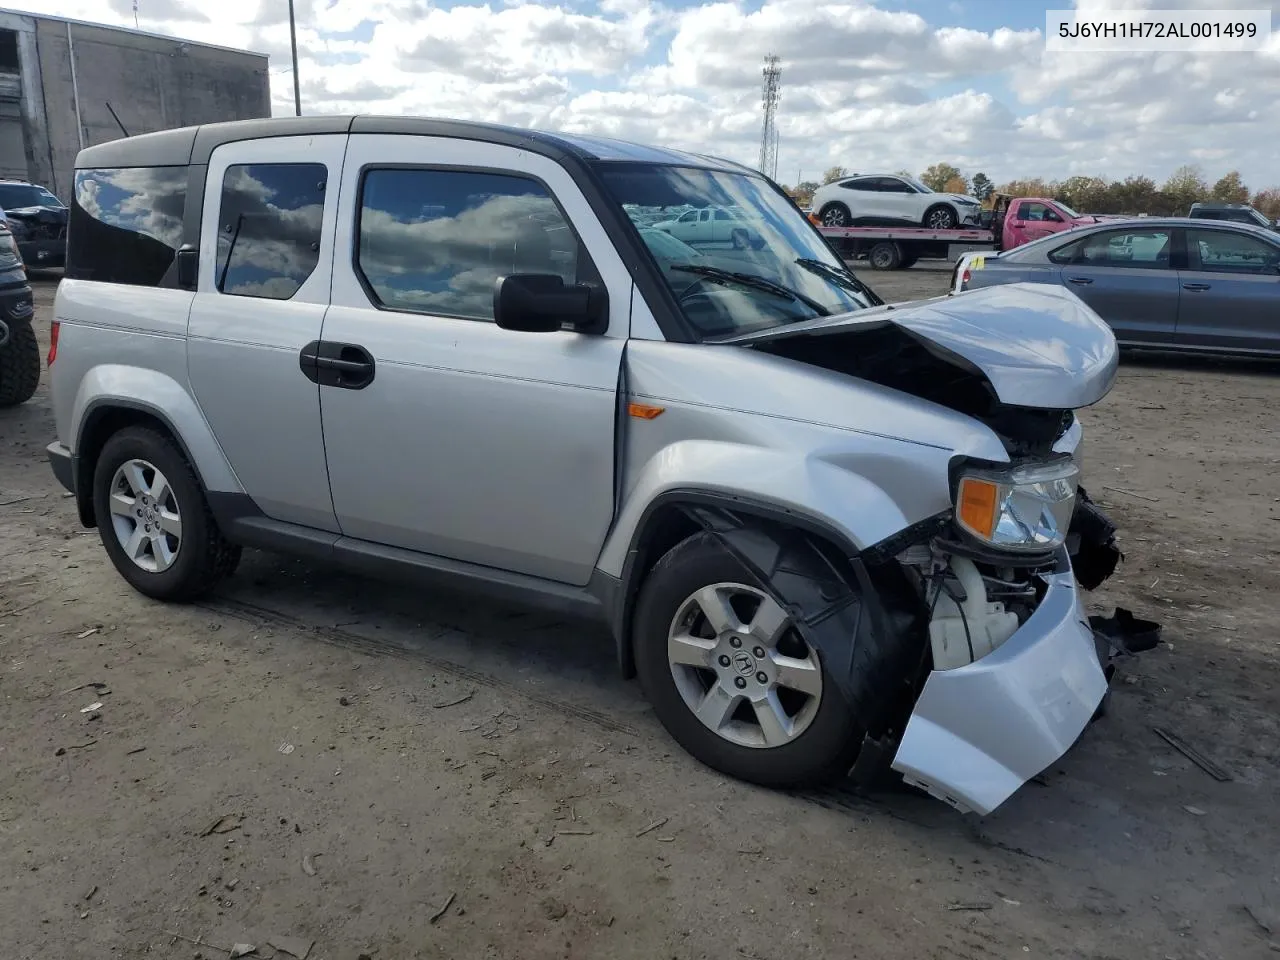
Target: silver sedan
{"type": "Point", "coordinates": [1167, 283]}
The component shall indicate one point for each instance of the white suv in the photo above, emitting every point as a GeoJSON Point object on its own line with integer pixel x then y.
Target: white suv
{"type": "Point", "coordinates": [444, 351]}
{"type": "Point", "coordinates": [892, 200]}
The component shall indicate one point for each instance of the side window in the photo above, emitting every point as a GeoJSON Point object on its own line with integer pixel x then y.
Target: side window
{"type": "Point", "coordinates": [722, 214]}
{"type": "Point", "coordinates": [689, 217]}
{"type": "Point", "coordinates": [125, 224]}
{"type": "Point", "coordinates": [1039, 213]}
{"type": "Point", "coordinates": [704, 215]}
{"type": "Point", "coordinates": [269, 221]}
{"type": "Point", "coordinates": [436, 241]}
{"type": "Point", "coordinates": [1223, 251]}
{"type": "Point", "coordinates": [892, 185]}
{"type": "Point", "coordinates": [1117, 248]}
{"type": "Point", "coordinates": [862, 183]}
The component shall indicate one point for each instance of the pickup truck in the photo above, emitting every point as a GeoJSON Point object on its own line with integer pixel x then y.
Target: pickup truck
{"type": "Point", "coordinates": [1019, 220]}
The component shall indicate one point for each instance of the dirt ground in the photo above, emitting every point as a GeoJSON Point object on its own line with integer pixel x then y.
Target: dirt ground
{"type": "Point", "coordinates": [317, 757]}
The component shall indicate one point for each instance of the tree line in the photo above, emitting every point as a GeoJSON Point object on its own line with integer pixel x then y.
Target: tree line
{"type": "Point", "coordinates": [1130, 196]}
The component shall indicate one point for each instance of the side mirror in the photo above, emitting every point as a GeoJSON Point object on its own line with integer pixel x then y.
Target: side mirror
{"type": "Point", "coordinates": [188, 260]}
{"type": "Point", "coordinates": [542, 303]}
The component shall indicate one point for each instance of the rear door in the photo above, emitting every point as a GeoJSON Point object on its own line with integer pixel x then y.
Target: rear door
{"type": "Point", "coordinates": [1230, 291]}
{"type": "Point", "coordinates": [266, 250]}
{"type": "Point", "coordinates": [1127, 276]}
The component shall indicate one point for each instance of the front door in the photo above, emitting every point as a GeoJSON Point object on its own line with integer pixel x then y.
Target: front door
{"type": "Point", "coordinates": [1230, 291]}
{"type": "Point", "coordinates": [454, 437]}
{"type": "Point", "coordinates": [1127, 276]}
{"type": "Point", "coordinates": [266, 247]}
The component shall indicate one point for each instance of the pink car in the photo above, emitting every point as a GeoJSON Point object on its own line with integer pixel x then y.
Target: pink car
{"type": "Point", "coordinates": [1030, 218]}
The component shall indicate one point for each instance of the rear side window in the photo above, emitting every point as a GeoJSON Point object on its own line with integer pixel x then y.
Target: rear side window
{"type": "Point", "coordinates": [1225, 251]}
{"type": "Point", "coordinates": [436, 241]}
{"type": "Point", "coordinates": [126, 224]}
{"type": "Point", "coordinates": [269, 225]}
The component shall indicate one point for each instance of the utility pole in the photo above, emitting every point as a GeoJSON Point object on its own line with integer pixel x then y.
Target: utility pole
{"type": "Point", "coordinates": [769, 129]}
{"type": "Point", "coordinates": [293, 43]}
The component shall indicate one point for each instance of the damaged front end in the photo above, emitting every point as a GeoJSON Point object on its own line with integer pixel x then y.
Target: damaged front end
{"type": "Point", "coordinates": [970, 668]}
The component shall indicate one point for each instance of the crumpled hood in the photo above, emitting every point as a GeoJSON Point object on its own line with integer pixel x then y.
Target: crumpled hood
{"type": "Point", "coordinates": [1038, 345]}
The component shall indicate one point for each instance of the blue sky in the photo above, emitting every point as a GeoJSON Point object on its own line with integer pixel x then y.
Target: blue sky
{"type": "Point", "coordinates": [867, 84]}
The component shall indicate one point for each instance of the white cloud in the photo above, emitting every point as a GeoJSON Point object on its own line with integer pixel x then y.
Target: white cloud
{"type": "Point", "coordinates": [864, 86]}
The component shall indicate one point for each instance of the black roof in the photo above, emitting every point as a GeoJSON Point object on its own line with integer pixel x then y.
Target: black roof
{"type": "Point", "coordinates": [193, 145]}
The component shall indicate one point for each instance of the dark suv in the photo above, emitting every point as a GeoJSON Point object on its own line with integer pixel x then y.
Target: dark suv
{"type": "Point", "coordinates": [1235, 212]}
{"type": "Point", "coordinates": [38, 220]}
{"type": "Point", "coordinates": [19, 353]}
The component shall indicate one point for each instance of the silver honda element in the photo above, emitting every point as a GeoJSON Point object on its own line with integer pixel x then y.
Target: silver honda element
{"type": "Point", "coordinates": [828, 534]}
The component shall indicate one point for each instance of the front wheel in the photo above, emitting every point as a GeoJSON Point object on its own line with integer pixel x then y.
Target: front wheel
{"type": "Point", "coordinates": [941, 217]}
{"type": "Point", "coordinates": [19, 364]}
{"type": "Point", "coordinates": [730, 677]}
{"type": "Point", "coordinates": [153, 519]}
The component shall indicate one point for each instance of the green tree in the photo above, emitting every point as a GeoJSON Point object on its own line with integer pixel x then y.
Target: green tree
{"type": "Point", "coordinates": [833, 174]}
{"type": "Point", "coordinates": [981, 186]}
{"type": "Point", "coordinates": [1086, 194]}
{"type": "Point", "coordinates": [1267, 202]}
{"type": "Point", "coordinates": [803, 191]}
{"type": "Point", "coordinates": [1185, 187]}
{"type": "Point", "coordinates": [938, 175]}
{"type": "Point", "coordinates": [1230, 189]}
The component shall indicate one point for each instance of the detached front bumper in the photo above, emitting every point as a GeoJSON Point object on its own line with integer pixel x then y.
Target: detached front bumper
{"type": "Point", "coordinates": [979, 732]}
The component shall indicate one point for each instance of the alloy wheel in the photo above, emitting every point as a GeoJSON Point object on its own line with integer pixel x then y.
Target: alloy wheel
{"type": "Point", "coordinates": [145, 516]}
{"type": "Point", "coordinates": [742, 668]}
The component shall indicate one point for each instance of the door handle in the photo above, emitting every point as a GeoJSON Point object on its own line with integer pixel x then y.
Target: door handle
{"type": "Point", "coordinates": [1080, 280]}
{"type": "Point", "coordinates": [1195, 286]}
{"type": "Point", "coordinates": [345, 365]}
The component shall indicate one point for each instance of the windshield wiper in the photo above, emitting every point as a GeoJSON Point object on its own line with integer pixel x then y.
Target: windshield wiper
{"type": "Point", "coordinates": [842, 277]}
{"type": "Point", "coordinates": [754, 281]}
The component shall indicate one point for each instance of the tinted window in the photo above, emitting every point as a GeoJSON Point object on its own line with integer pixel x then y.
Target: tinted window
{"type": "Point", "coordinates": [1223, 251]}
{"type": "Point", "coordinates": [890, 185]}
{"type": "Point", "coordinates": [863, 183]}
{"type": "Point", "coordinates": [126, 224]}
{"type": "Point", "coordinates": [1117, 248]}
{"type": "Point", "coordinates": [436, 241]}
{"type": "Point", "coordinates": [1038, 212]}
{"type": "Point", "coordinates": [269, 221]}
{"type": "Point", "coordinates": [15, 196]}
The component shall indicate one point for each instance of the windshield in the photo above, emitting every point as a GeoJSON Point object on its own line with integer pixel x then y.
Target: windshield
{"type": "Point", "coordinates": [920, 187]}
{"type": "Point", "coordinates": [1067, 210]}
{"type": "Point", "coordinates": [15, 196]}
{"type": "Point", "coordinates": [737, 255]}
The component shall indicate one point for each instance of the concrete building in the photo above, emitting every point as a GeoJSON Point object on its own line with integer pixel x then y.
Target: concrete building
{"type": "Point", "coordinates": [65, 84]}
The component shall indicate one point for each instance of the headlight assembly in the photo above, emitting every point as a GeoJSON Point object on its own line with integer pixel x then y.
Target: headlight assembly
{"type": "Point", "coordinates": [1025, 508]}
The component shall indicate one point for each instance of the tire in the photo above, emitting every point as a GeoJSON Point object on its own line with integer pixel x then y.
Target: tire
{"type": "Point", "coordinates": [835, 215]}
{"type": "Point", "coordinates": [885, 255]}
{"type": "Point", "coordinates": [201, 557]}
{"type": "Point", "coordinates": [908, 262]}
{"type": "Point", "coordinates": [828, 736]}
{"type": "Point", "coordinates": [19, 364]}
{"type": "Point", "coordinates": [940, 217]}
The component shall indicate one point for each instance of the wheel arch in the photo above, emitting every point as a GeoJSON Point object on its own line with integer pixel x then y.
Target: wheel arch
{"type": "Point", "coordinates": [113, 397]}
{"type": "Point", "coordinates": [667, 520]}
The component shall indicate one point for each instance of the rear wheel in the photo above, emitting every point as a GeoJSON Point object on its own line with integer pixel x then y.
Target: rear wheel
{"type": "Point", "coordinates": [835, 215]}
{"type": "Point", "coordinates": [154, 520]}
{"type": "Point", "coordinates": [19, 364]}
{"type": "Point", "coordinates": [730, 677]}
{"type": "Point", "coordinates": [885, 255]}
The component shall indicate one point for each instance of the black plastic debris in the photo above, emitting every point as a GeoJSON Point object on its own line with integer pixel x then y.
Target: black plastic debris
{"type": "Point", "coordinates": [1092, 543]}
{"type": "Point", "coordinates": [865, 620]}
{"type": "Point", "coordinates": [1125, 633]}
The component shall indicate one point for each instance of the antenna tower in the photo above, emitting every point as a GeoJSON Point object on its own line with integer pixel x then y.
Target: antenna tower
{"type": "Point", "coordinates": [769, 129]}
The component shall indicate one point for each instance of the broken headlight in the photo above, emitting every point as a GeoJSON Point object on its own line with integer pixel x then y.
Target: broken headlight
{"type": "Point", "coordinates": [1026, 507]}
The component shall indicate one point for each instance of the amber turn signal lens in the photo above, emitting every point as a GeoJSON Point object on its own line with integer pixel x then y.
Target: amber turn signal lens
{"type": "Point", "coordinates": [976, 505]}
{"type": "Point", "coordinates": [644, 411]}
